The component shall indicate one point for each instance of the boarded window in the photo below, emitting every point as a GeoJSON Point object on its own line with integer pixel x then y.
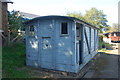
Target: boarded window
{"type": "Point", "coordinates": [64, 28]}
{"type": "Point", "coordinates": [31, 30]}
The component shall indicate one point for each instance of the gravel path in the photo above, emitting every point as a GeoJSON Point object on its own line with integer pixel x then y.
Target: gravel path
{"type": "Point", "coordinates": [106, 66]}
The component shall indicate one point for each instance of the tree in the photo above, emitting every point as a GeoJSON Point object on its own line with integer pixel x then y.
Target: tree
{"type": "Point", "coordinates": [15, 23]}
{"type": "Point", "coordinates": [114, 28]}
{"type": "Point", "coordinates": [76, 14]}
{"type": "Point", "coordinates": [108, 29]}
{"type": "Point", "coordinates": [94, 17]}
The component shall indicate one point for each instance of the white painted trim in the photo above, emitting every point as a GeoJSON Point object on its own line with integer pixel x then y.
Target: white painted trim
{"type": "Point", "coordinates": [75, 41]}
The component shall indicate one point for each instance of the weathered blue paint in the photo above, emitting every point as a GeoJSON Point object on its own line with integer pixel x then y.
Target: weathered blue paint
{"type": "Point", "coordinates": [48, 48]}
{"type": "Point", "coordinates": [90, 37]}
{"type": "Point", "coordinates": [94, 40]}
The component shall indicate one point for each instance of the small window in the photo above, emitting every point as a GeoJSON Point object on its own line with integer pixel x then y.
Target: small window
{"type": "Point", "coordinates": [64, 28]}
{"type": "Point", "coordinates": [31, 30]}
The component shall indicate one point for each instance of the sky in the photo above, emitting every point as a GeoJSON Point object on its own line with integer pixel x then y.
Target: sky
{"type": "Point", "coordinates": [61, 7]}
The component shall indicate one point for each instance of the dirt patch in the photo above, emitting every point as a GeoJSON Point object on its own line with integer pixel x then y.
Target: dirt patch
{"type": "Point", "coordinates": [44, 73]}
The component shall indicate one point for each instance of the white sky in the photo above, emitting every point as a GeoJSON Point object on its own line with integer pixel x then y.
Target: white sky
{"type": "Point", "coordinates": [61, 7]}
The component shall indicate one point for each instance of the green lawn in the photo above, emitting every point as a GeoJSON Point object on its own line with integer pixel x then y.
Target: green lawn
{"type": "Point", "coordinates": [100, 44]}
{"type": "Point", "coordinates": [13, 58]}
{"type": "Point", "coordinates": [106, 44]}
{"type": "Point", "coordinates": [14, 64]}
{"type": "Point", "coordinates": [103, 49]}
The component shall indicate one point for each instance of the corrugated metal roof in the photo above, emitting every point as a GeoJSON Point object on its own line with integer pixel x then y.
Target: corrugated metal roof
{"type": "Point", "coordinates": [56, 16]}
{"type": "Point", "coordinates": [6, 1]}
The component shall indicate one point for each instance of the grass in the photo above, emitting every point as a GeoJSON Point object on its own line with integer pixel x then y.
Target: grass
{"type": "Point", "coordinates": [100, 44]}
{"type": "Point", "coordinates": [14, 64]}
{"type": "Point", "coordinates": [103, 49]}
{"type": "Point", "coordinates": [107, 45]}
{"type": "Point", "coordinates": [13, 58]}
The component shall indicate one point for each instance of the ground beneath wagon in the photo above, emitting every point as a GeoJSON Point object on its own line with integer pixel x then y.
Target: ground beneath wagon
{"type": "Point", "coordinates": [105, 66]}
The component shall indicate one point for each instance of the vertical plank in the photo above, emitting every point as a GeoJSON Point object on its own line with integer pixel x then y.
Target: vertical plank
{"type": "Point", "coordinates": [73, 40]}
{"type": "Point", "coordinates": [5, 18]}
{"type": "Point", "coordinates": [54, 43]}
{"type": "Point", "coordinates": [94, 40]}
{"type": "Point", "coordinates": [0, 15]}
{"type": "Point", "coordinates": [39, 44]}
{"type": "Point", "coordinates": [82, 41]}
{"type": "Point", "coordinates": [97, 38]}
{"type": "Point", "coordinates": [90, 37]}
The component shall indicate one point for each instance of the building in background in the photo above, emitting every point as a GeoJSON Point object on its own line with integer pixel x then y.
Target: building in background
{"type": "Point", "coordinates": [112, 37]}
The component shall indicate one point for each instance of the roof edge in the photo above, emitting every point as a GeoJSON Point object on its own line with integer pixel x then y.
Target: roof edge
{"type": "Point", "coordinates": [68, 17]}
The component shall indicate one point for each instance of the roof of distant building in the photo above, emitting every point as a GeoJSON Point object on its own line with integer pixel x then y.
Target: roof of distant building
{"type": "Point", "coordinates": [28, 15]}
{"type": "Point", "coordinates": [6, 1]}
